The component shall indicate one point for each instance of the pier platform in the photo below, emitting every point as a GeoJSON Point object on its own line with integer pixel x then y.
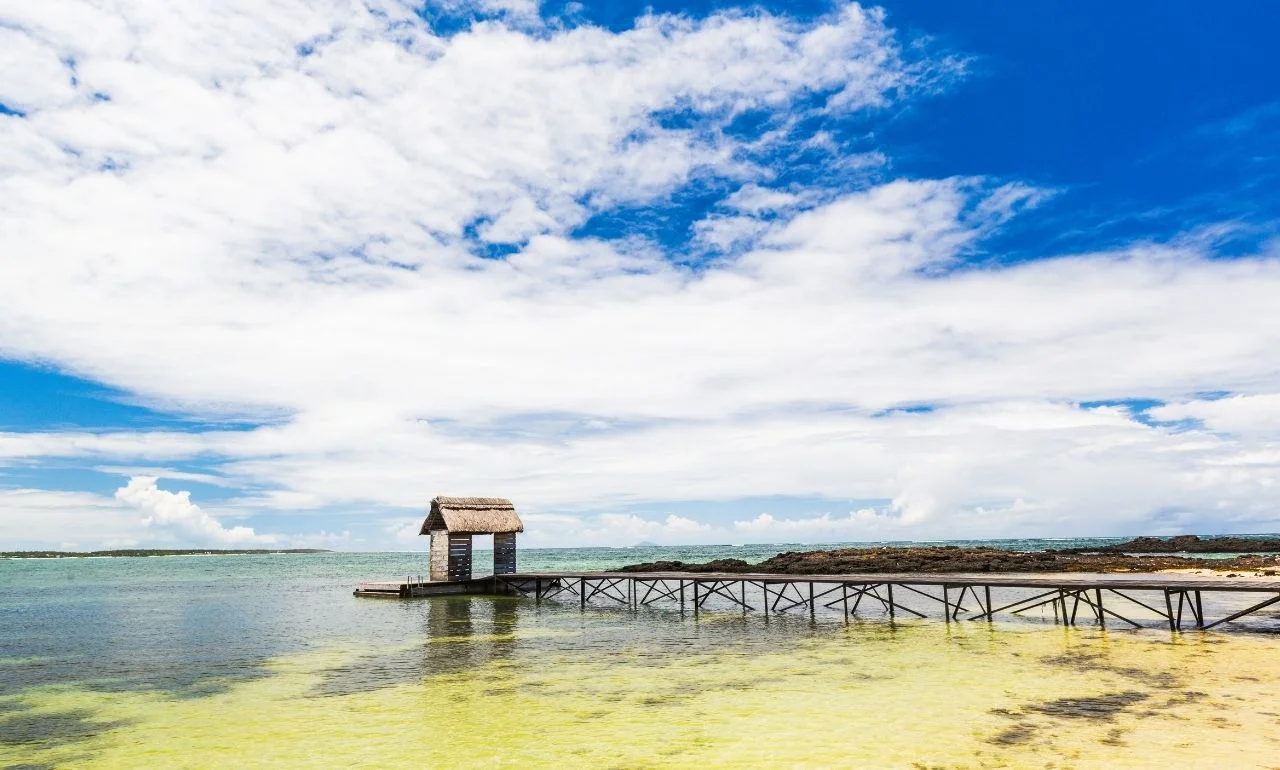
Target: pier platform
{"type": "Point", "coordinates": [1134, 599]}
{"type": "Point", "coordinates": [412, 588]}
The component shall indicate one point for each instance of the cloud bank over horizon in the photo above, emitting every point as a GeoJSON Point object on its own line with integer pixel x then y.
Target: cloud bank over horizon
{"type": "Point", "coordinates": [341, 257]}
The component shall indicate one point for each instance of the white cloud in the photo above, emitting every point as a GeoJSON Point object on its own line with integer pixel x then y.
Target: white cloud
{"type": "Point", "coordinates": [333, 541]}
{"type": "Point", "coordinates": [154, 444]}
{"type": "Point", "coordinates": [168, 473]}
{"type": "Point", "coordinates": [617, 529]}
{"type": "Point", "coordinates": [861, 524]}
{"type": "Point", "coordinates": [31, 75]}
{"type": "Point", "coordinates": [174, 510]}
{"type": "Point", "coordinates": [404, 532]}
{"type": "Point", "coordinates": [38, 519]}
{"type": "Point", "coordinates": [727, 232]}
{"type": "Point", "coordinates": [754, 199]}
{"type": "Point", "coordinates": [520, 9]}
{"type": "Point", "coordinates": [1256, 416]}
{"type": "Point", "coordinates": [41, 519]}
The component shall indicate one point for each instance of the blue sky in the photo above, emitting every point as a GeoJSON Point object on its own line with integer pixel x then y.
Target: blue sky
{"type": "Point", "coordinates": [679, 273]}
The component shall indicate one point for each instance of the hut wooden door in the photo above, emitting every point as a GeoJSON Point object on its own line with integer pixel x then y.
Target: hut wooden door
{"type": "Point", "coordinates": [459, 557]}
{"type": "Point", "coordinates": [504, 553]}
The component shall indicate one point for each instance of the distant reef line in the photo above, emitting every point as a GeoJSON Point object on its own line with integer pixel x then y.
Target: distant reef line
{"type": "Point", "coordinates": [155, 552]}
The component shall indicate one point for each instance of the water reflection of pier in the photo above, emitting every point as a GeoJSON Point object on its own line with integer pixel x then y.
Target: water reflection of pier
{"type": "Point", "coordinates": [1133, 599]}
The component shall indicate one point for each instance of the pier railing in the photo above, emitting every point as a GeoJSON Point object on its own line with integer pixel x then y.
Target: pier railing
{"type": "Point", "coordinates": [1130, 599]}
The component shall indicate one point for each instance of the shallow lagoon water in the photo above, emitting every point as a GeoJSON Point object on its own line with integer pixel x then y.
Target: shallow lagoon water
{"type": "Point", "coordinates": [269, 662]}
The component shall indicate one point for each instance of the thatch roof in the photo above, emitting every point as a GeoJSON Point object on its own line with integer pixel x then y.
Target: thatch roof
{"type": "Point", "coordinates": [472, 516]}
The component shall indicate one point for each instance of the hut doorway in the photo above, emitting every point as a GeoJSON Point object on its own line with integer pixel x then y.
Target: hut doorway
{"type": "Point", "coordinates": [497, 550]}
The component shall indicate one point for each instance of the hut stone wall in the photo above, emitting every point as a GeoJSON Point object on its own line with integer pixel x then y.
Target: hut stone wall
{"type": "Point", "coordinates": [439, 555]}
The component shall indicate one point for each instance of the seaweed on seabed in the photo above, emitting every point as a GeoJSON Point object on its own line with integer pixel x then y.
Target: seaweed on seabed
{"type": "Point", "coordinates": [58, 727]}
{"type": "Point", "coordinates": [1092, 661]}
{"type": "Point", "coordinates": [1102, 707]}
{"type": "Point", "coordinates": [1022, 732]}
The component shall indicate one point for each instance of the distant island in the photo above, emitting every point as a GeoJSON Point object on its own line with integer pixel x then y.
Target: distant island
{"type": "Point", "coordinates": [154, 552]}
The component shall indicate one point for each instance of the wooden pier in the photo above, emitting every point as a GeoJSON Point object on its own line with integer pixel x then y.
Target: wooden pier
{"type": "Point", "coordinates": [1136, 600]}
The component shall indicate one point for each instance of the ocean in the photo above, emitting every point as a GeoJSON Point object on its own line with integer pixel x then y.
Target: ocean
{"type": "Point", "coordinates": [268, 661]}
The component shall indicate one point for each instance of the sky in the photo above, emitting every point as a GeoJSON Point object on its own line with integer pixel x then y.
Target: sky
{"type": "Point", "coordinates": [273, 273]}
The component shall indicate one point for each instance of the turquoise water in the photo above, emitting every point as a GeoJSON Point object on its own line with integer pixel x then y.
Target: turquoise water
{"type": "Point", "coordinates": [268, 661]}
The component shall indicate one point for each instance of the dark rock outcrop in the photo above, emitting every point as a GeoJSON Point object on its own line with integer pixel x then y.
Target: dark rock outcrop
{"type": "Point", "coordinates": [942, 559]}
{"type": "Point", "coordinates": [1190, 544]}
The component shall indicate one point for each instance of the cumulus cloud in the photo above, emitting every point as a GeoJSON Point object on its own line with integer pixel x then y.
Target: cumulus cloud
{"type": "Point", "coordinates": [174, 510]}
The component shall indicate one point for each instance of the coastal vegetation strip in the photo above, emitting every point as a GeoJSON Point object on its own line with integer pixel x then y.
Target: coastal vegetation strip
{"type": "Point", "coordinates": [154, 552]}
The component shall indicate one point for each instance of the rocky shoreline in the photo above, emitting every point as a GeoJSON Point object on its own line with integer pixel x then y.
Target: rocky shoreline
{"type": "Point", "coordinates": [1188, 544]}
{"type": "Point", "coordinates": [1148, 555]}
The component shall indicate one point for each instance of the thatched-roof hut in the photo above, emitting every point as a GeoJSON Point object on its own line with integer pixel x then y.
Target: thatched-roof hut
{"type": "Point", "coordinates": [472, 516]}
{"type": "Point", "coordinates": [451, 523]}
